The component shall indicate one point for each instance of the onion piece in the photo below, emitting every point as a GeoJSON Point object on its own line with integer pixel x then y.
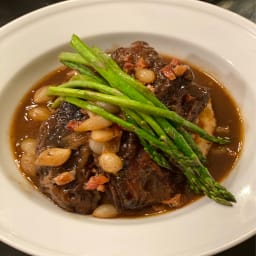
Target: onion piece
{"type": "Point", "coordinates": [110, 162]}
{"type": "Point", "coordinates": [145, 75]}
{"type": "Point", "coordinates": [28, 146]}
{"type": "Point", "coordinates": [105, 211]}
{"type": "Point", "coordinates": [53, 157]}
{"type": "Point", "coordinates": [41, 95]}
{"type": "Point", "coordinates": [27, 163]}
{"type": "Point", "coordinates": [103, 135]}
{"type": "Point", "coordinates": [39, 113]}
{"type": "Point", "coordinates": [106, 134]}
{"type": "Point", "coordinates": [93, 123]}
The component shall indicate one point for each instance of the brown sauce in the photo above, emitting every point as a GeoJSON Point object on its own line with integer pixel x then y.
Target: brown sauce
{"type": "Point", "coordinates": [220, 160]}
{"type": "Point", "coordinates": [22, 127]}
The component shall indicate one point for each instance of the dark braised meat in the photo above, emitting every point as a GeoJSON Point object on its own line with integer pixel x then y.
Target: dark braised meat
{"type": "Point", "coordinates": [141, 183]}
{"type": "Point", "coordinates": [174, 81]}
{"type": "Point", "coordinates": [54, 133]}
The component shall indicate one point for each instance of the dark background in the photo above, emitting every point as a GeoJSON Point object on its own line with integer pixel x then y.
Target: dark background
{"type": "Point", "coordinates": [11, 9]}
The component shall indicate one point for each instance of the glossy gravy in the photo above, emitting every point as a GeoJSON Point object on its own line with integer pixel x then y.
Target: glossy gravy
{"type": "Point", "coordinates": [220, 160]}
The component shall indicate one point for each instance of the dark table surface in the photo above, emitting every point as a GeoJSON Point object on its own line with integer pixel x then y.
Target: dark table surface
{"type": "Point", "coordinates": [11, 9]}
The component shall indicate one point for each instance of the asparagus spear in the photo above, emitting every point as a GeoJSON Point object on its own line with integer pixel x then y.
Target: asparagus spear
{"type": "Point", "coordinates": [112, 72]}
{"type": "Point", "coordinates": [116, 98]}
{"type": "Point", "coordinates": [84, 71]}
{"type": "Point", "coordinates": [75, 61]}
{"type": "Point", "coordinates": [76, 58]}
{"type": "Point", "coordinates": [135, 86]}
{"type": "Point", "coordinates": [159, 158]}
{"type": "Point", "coordinates": [203, 174]}
{"type": "Point", "coordinates": [186, 140]}
{"type": "Point", "coordinates": [192, 144]}
{"type": "Point", "coordinates": [132, 88]}
{"type": "Point", "coordinates": [121, 100]}
{"type": "Point", "coordinates": [200, 180]}
{"type": "Point", "coordinates": [92, 78]}
{"type": "Point", "coordinates": [199, 183]}
{"type": "Point", "coordinates": [72, 57]}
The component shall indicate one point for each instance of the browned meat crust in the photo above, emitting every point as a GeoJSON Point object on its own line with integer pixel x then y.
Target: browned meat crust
{"type": "Point", "coordinates": [141, 183]}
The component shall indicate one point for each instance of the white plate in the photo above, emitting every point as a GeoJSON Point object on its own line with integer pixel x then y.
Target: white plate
{"type": "Point", "coordinates": [221, 42]}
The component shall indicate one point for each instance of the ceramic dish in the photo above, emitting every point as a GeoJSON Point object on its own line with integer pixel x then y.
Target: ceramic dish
{"type": "Point", "coordinates": [222, 43]}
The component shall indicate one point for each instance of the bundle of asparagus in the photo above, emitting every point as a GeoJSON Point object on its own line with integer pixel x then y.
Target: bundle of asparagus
{"type": "Point", "coordinates": [163, 133]}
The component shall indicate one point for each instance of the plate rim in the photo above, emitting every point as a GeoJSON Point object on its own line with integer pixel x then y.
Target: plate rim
{"type": "Point", "coordinates": [251, 28]}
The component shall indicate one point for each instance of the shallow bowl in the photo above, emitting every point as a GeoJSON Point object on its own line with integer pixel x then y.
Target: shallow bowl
{"type": "Point", "coordinates": [220, 42]}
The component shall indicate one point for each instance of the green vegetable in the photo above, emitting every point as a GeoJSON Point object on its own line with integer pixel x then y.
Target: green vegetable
{"type": "Point", "coordinates": [123, 101]}
{"type": "Point", "coordinates": [84, 71]}
{"type": "Point", "coordinates": [161, 131]}
{"type": "Point", "coordinates": [200, 182]}
{"type": "Point", "coordinates": [91, 82]}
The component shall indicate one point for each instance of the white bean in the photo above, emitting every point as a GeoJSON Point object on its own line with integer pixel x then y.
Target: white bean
{"type": "Point", "coordinates": [41, 95]}
{"type": "Point", "coordinates": [145, 75]}
{"type": "Point", "coordinates": [39, 113]}
{"type": "Point", "coordinates": [96, 147]}
{"type": "Point", "coordinates": [105, 211]}
{"type": "Point", "coordinates": [53, 157]}
{"type": "Point", "coordinates": [103, 135]}
{"type": "Point", "coordinates": [93, 123]}
{"type": "Point", "coordinates": [27, 163]}
{"type": "Point", "coordinates": [110, 162]}
{"type": "Point", "coordinates": [28, 146]}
